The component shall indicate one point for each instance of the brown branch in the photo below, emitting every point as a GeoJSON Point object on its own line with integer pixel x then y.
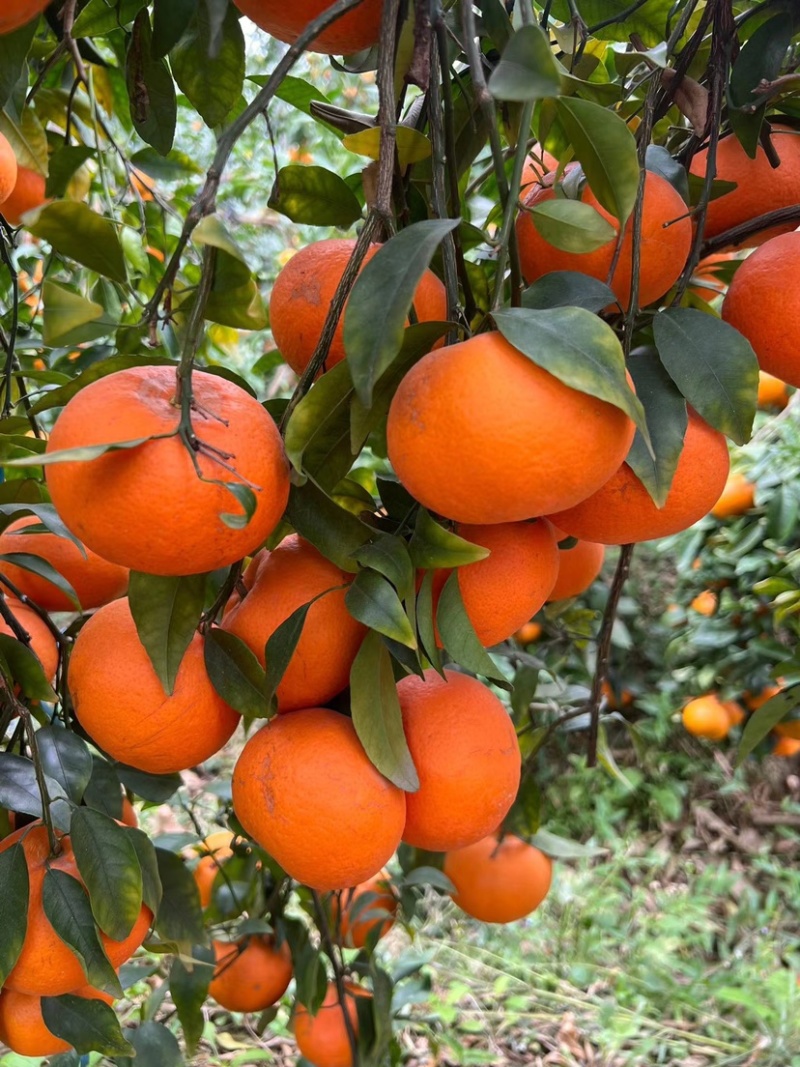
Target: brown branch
{"type": "Point", "coordinates": [387, 111]}
{"type": "Point", "coordinates": [737, 234]}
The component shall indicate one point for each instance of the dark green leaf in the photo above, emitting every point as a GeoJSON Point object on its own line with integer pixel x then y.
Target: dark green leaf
{"type": "Point", "coordinates": [459, 637]}
{"type": "Point", "coordinates": [210, 73]}
{"type": "Point", "coordinates": [77, 232]}
{"type": "Point", "coordinates": [374, 601]}
{"type": "Point", "coordinates": [148, 864]}
{"type": "Point", "coordinates": [568, 288]}
{"type": "Point", "coordinates": [759, 63]}
{"type": "Point", "coordinates": [496, 22]}
{"type": "Point", "coordinates": [714, 367]}
{"type": "Point", "coordinates": [667, 418]}
{"type": "Point", "coordinates": [37, 565]}
{"type": "Point", "coordinates": [527, 69]}
{"type": "Point", "coordinates": [110, 870]}
{"type": "Point", "coordinates": [180, 917]}
{"type": "Point", "coordinates": [426, 625]}
{"type": "Point", "coordinates": [526, 811]}
{"type": "Point", "coordinates": [317, 435]}
{"type": "Point", "coordinates": [67, 908]}
{"type": "Point", "coordinates": [314, 196]}
{"type": "Point", "coordinates": [376, 714]}
{"type": "Point", "coordinates": [13, 907]}
{"type": "Point", "coordinates": [87, 1025]}
{"type": "Point", "coordinates": [157, 788]}
{"type": "Point", "coordinates": [155, 1046]}
{"type": "Point", "coordinates": [236, 674]}
{"type": "Point", "coordinates": [765, 718]}
{"type": "Point", "coordinates": [378, 307]}
{"type": "Point", "coordinates": [189, 989]}
{"type": "Point", "coordinates": [658, 160]}
{"type": "Point", "coordinates": [100, 17]}
{"type": "Point", "coordinates": [151, 90]}
{"type": "Point", "coordinates": [18, 788]}
{"type": "Point", "coordinates": [389, 556]}
{"type": "Point", "coordinates": [66, 758]}
{"type": "Point", "coordinates": [166, 612]}
{"type": "Point", "coordinates": [572, 225]}
{"type": "Point", "coordinates": [606, 149]}
{"type": "Point", "coordinates": [170, 19]}
{"type": "Point", "coordinates": [26, 669]}
{"type": "Point", "coordinates": [431, 545]}
{"type": "Point", "coordinates": [335, 532]}
{"type": "Point", "coordinates": [14, 48]}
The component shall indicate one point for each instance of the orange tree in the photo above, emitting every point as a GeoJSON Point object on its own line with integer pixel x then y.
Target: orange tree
{"type": "Point", "coordinates": [508, 335]}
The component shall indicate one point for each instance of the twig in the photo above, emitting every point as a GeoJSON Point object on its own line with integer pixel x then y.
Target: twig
{"type": "Point", "coordinates": [740, 233]}
{"type": "Point", "coordinates": [338, 974]}
{"type": "Point", "coordinates": [604, 648]}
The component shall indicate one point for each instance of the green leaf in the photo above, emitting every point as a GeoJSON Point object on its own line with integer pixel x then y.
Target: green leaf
{"type": "Point", "coordinates": [18, 787]}
{"type": "Point", "coordinates": [88, 1025]}
{"type": "Point", "coordinates": [335, 532]}
{"type": "Point", "coordinates": [426, 626]}
{"type": "Point", "coordinates": [66, 312]}
{"type": "Point", "coordinates": [26, 669]}
{"type": "Point", "coordinates": [100, 17]}
{"type": "Point", "coordinates": [714, 367]}
{"type": "Point", "coordinates": [189, 989]}
{"type": "Point", "coordinates": [526, 811]}
{"type": "Point", "coordinates": [412, 146]}
{"type": "Point", "coordinates": [70, 455]}
{"type": "Point", "coordinates": [67, 907]}
{"type": "Point", "coordinates": [568, 288]}
{"type": "Point", "coordinates": [314, 196]}
{"type": "Point", "coordinates": [27, 138]}
{"type": "Point", "coordinates": [389, 556]}
{"type": "Point", "coordinates": [667, 419]}
{"type": "Point", "coordinates": [459, 637]}
{"type": "Point", "coordinates": [765, 718]}
{"type": "Point", "coordinates": [154, 1046]}
{"type": "Point", "coordinates": [606, 149]}
{"type": "Point", "coordinates": [658, 160]}
{"type": "Point", "coordinates": [759, 62]}
{"type": "Point", "coordinates": [38, 565]}
{"type": "Point", "coordinates": [317, 436]}
{"type": "Point", "coordinates": [650, 19]}
{"type": "Point", "coordinates": [210, 72]}
{"type": "Point", "coordinates": [561, 848]}
{"type": "Point", "coordinates": [431, 545]}
{"type": "Point", "coordinates": [13, 907]}
{"type": "Point", "coordinates": [374, 601]}
{"type": "Point", "coordinates": [378, 306]}
{"type": "Point", "coordinates": [527, 69]}
{"type": "Point", "coordinates": [110, 870]}
{"type": "Point", "coordinates": [104, 791]}
{"type": "Point", "coordinates": [14, 49]}
{"type": "Point", "coordinates": [375, 708]}
{"type": "Point", "coordinates": [77, 232]}
{"type": "Point", "coordinates": [180, 917]}
{"type": "Point", "coordinates": [576, 347]}
{"type": "Point", "coordinates": [148, 864]}
{"type": "Point", "coordinates": [166, 612]}
{"type": "Point", "coordinates": [572, 225]}
{"type": "Point", "coordinates": [170, 19]}
{"type": "Point", "coordinates": [157, 788]}
{"type": "Point", "coordinates": [66, 758]}
{"type": "Point", "coordinates": [236, 674]}
{"type": "Point", "coordinates": [298, 93]}
{"type": "Point", "coordinates": [151, 90]}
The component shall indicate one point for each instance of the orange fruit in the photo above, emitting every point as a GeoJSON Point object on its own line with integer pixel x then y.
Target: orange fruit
{"type": "Point", "coordinates": [16, 13]}
{"type": "Point", "coordinates": [8, 163]}
{"type": "Point", "coordinates": [216, 849]}
{"type": "Point", "coordinates": [753, 701]}
{"type": "Point", "coordinates": [46, 965]}
{"type": "Point", "coordinates": [788, 728]}
{"type": "Point", "coordinates": [129, 816]}
{"type": "Point", "coordinates": [707, 283]}
{"type": "Point", "coordinates": [42, 641]}
{"type": "Point", "coordinates": [464, 747]}
{"type": "Point", "coordinates": [763, 303]}
{"type": "Point", "coordinates": [736, 714]}
{"type": "Point", "coordinates": [577, 567]}
{"type": "Point", "coordinates": [707, 717]}
{"type": "Point", "coordinates": [109, 669]}
{"type": "Point", "coordinates": [784, 746]}
{"type": "Point", "coordinates": [27, 194]}
{"type": "Point", "coordinates": [538, 163]}
{"type": "Point", "coordinates": [499, 881]}
{"type": "Point", "coordinates": [622, 511]}
{"type": "Point", "coordinates": [772, 392]}
{"type": "Point", "coordinates": [283, 580]}
{"type": "Point", "coordinates": [356, 30]}
{"type": "Point", "coordinates": [305, 790]}
{"type": "Point", "coordinates": [737, 497]}
{"type": "Point", "coordinates": [302, 295]}
{"type": "Point", "coordinates": [323, 1038]}
{"type": "Point", "coordinates": [759, 187]}
{"type": "Point", "coordinates": [528, 633]}
{"type": "Point", "coordinates": [251, 974]}
{"type": "Point", "coordinates": [504, 590]}
{"type": "Point", "coordinates": [705, 603]}
{"type": "Point", "coordinates": [94, 579]}
{"type": "Point", "coordinates": [460, 414]}
{"type": "Point", "coordinates": [23, 1029]}
{"type": "Point", "coordinates": [665, 244]}
{"type": "Point", "coordinates": [362, 909]}
{"type": "Point", "coordinates": [142, 184]}
{"type": "Point", "coordinates": [146, 508]}
{"type": "Point", "coordinates": [616, 702]}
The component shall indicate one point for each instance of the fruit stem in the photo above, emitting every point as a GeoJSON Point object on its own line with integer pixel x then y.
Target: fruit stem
{"type": "Point", "coordinates": [338, 973]}
{"type": "Point", "coordinates": [41, 782]}
{"type": "Point", "coordinates": [194, 331]}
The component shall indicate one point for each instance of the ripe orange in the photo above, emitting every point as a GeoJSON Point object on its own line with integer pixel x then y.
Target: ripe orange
{"type": "Point", "coordinates": [352, 32]}
{"type": "Point", "coordinates": [736, 714]}
{"type": "Point", "coordinates": [285, 579]}
{"type": "Point", "coordinates": [8, 163]}
{"type": "Point", "coordinates": [499, 881]}
{"type": "Point", "coordinates": [23, 1029]}
{"type": "Point", "coordinates": [772, 392]}
{"type": "Point", "coordinates": [764, 305]}
{"type": "Point", "coordinates": [305, 790]}
{"type": "Point", "coordinates": [759, 187]}
{"type": "Point", "coordinates": [665, 245]}
{"type": "Point", "coordinates": [622, 511]}
{"type": "Point", "coordinates": [707, 717]}
{"type": "Point", "coordinates": [94, 579]}
{"type": "Point", "coordinates": [706, 281]}
{"type": "Point", "coordinates": [323, 1038]}
{"type": "Point", "coordinates": [460, 414]}
{"type": "Point", "coordinates": [251, 974]}
{"type": "Point", "coordinates": [784, 746]}
{"type": "Point", "coordinates": [528, 633]}
{"type": "Point", "coordinates": [146, 508]}
{"type": "Point", "coordinates": [577, 567]}
{"type": "Point", "coordinates": [504, 590]}
{"type": "Point", "coordinates": [364, 908]}
{"type": "Point", "coordinates": [42, 641]}
{"type": "Point", "coordinates": [216, 849]}
{"type": "Point", "coordinates": [788, 728]}
{"type": "Point", "coordinates": [464, 747]}
{"type": "Point", "coordinates": [121, 703]}
{"type": "Point", "coordinates": [27, 194]}
{"type": "Point", "coordinates": [705, 603]}
{"type": "Point", "coordinates": [753, 701]}
{"type": "Point", "coordinates": [737, 497]}
{"type": "Point", "coordinates": [302, 295]}
{"type": "Point", "coordinates": [46, 966]}
{"type": "Point", "coordinates": [129, 816]}
{"type": "Point", "coordinates": [18, 13]}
